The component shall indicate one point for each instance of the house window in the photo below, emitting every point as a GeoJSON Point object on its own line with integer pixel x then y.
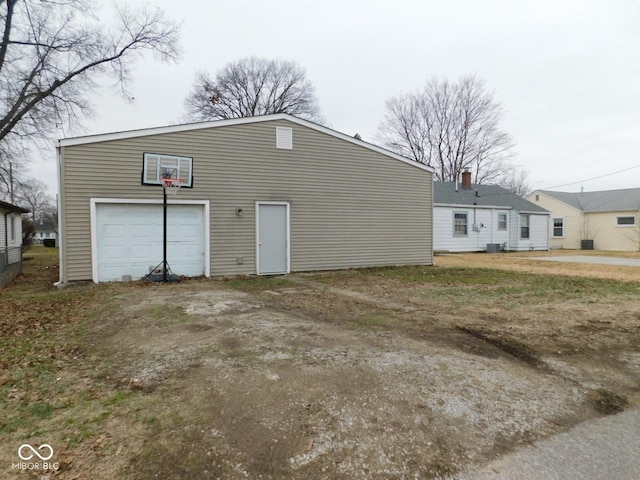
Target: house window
{"type": "Point", "coordinates": [558, 227]}
{"type": "Point", "coordinates": [629, 221]}
{"type": "Point", "coordinates": [460, 224]}
{"type": "Point", "coordinates": [12, 227]}
{"type": "Point", "coordinates": [524, 226]}
{"type": "Point", "coordinates": [502, 221]}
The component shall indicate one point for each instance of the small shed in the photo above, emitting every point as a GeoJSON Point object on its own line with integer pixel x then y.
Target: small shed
{"type": "Point", "coordinates": [263, 195]}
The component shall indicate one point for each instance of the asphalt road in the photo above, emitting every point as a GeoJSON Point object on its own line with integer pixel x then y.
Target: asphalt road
{"type": "Point", "coordinates": [627, 262]}
{"type": "Point", "coordinates": [604, 448]}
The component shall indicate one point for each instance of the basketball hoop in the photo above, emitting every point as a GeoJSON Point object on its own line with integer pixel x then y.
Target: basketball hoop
{"type": "Point", "coordinates": [172, 185]}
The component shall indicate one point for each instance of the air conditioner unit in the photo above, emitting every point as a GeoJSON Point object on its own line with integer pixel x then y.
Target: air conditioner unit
{"type": "Point", "coordinates": [493, 247]}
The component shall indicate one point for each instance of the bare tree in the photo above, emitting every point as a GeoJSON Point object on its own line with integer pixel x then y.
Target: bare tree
{"type": "Point", "coordinates": [253, 86]}
{"type": "Point", "coordinates": [11, 169]}
{"type": "Point", "coordinates": [451, 127]}
{"type": "Point", "coordinates": [34, 194]}
{"type": "Point", "coordinates": [51, 53]}
{"type": "Point", "coordinates": [516, 180]}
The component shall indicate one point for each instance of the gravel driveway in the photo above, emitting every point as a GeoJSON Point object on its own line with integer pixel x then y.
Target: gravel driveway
{"type": "Point", "coordinates": [359, 377]}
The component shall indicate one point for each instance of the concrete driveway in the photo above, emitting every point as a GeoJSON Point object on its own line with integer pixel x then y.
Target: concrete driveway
{"type": "Point", "coordinates": [626, 262]}
{"type": "Point", "coordinates": [606, 447]}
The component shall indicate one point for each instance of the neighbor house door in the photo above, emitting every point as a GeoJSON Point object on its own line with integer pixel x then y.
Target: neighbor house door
{"type": "Point", "coordinates": [272, 238]}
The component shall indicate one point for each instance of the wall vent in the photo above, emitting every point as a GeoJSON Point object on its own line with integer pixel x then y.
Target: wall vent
{"type": "Point", "coordinates": [284, 138]}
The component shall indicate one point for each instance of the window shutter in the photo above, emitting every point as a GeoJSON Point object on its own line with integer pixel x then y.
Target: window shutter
{"type": "Point", "coordinates": [284, 138]}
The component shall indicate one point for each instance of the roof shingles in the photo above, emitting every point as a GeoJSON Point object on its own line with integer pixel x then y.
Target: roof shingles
{"type": "Point", "coordinates": [448, 193]}
{"type": "Point", "coordinates": [603, 201]}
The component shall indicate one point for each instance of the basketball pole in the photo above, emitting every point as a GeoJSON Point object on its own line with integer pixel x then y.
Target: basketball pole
{"type": "Point", "coordinates": [167, 176]}
{"type": "Point", "coordinates": [164, 235]}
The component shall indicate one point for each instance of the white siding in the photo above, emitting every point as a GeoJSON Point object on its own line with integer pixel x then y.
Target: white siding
{"type": "Point", "coordinates": [14, 255]}
{"type": "Point", "coordinates": [538, 232]}
{"type": "Point", "coordinates": [3, 227]}
{"type": "Point", "coordinates": [14, 239]}
{"type": "Point", "coordinates": [9, 238]}
{"type": "Point", "coordinates": [476, 240]}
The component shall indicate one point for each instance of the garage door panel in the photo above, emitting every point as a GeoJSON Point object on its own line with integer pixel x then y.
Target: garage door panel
{"type": "Point", "coordinates": [138, 253]}
{"type": "Point", "coordinates": [129, 239]}
{"type": "Point", "coordinates": [185, 234]}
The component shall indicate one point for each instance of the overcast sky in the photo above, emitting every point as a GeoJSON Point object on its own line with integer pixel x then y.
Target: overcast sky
{"type": "Point", "coordinates": [566, 72]}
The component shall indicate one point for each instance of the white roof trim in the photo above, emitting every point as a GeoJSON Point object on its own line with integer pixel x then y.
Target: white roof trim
{"type": "Point", "coordinates": [106, 137]}
{"type": "Point", "coordinates": [487, 207]}
{"type": "Point", "coordinates": [466, 205]}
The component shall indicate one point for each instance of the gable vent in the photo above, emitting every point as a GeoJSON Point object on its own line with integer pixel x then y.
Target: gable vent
{"type": "Point", "coordinates": [284, 138]}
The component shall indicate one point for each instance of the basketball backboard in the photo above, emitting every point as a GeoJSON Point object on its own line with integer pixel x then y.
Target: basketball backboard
{"type": "Point", "coordinates": [156, 166]}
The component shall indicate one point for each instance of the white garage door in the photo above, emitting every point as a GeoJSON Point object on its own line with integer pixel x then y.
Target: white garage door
{"type": "Point", "coordinates": [129, 240]}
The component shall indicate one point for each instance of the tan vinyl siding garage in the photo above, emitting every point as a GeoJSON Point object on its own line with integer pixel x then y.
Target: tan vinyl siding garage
{"type": "Point", "coordinates": [351, 204]}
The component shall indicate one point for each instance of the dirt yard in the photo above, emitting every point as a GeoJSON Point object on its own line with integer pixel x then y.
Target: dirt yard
{"type": "Point", "coordinates": [416, 372]}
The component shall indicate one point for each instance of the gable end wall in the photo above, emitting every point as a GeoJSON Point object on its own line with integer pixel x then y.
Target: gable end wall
{"type": "Point", "coordinates": [350, 206]}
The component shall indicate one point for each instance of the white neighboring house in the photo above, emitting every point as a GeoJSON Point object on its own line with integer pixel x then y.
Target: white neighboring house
{"type": "Point", "coordinates": [478, 218]}
{"type": "Point", "coordinates": [44, 230]}
{"type": "Point", "coordinates": [10, 241]}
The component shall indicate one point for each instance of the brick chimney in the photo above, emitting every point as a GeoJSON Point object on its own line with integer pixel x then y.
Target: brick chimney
{"type": "Point", "coordinates": [466, 179]}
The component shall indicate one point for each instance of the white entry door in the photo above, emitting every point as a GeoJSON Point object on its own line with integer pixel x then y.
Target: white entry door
{"type": "Point", "coordinates": [272, 236]}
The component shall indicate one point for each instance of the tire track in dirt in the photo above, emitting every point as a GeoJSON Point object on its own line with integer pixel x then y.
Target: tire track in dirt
{"type": "Point", "coordinates": [602, 400]}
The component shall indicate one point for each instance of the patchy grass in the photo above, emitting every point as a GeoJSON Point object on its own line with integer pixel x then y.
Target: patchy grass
{"type": "Point", "coordinates": [38, 333]}
{"type": "Point", "coordinates": [372, 321]}
{"type": "Point", "coordinates": [50, 390]}
{"type": "Point", "coordinates": [165, 314]}
{"type": "Point", "coordinates": [258, 283]}
{"type": "Point", "coordinates": [245, 354]}
{"type": "Point", "coordinates": [459, 286]}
